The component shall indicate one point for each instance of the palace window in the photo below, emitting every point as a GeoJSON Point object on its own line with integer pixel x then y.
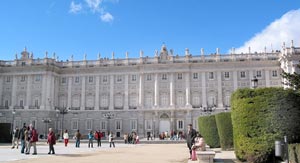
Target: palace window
{"type": "Point", "coordinates": [74, 124]}
{"type": "Point", "coordinates": [148, 77]}
{"type": "Point", "coordinates": [274, 73]}
{"type": "Point", "coordinates": [91, 79]}
{"type": "Point", "coordinates": [119, 78]}
{"type": "Point", "coordinates": [133, 124]}
{"type": "Point", "coordinates": [89, 124]}
{"type": "Point", "coordinates": [36, 102]}
{"type": "Point", "coordinates": [8, 79]}
{"type": "Point", "coordinates": [195, 75]}
{"type": "Point", "coordinates": [21, 103]}
{"type": "Point", "coordinates": [103, 125]}
{"type": "Point", "coordinates": [148, 124]}
{"type": "Point", "coordinates": [179, 77]}
{"type": "Point", "coordinates": [164, 77]}
{"type": "Point", "coordinates": [104, 79]}
{"type": "Point", "coordinates": [63, 80]}
{"type": "Point", "coordinates": [133, 77]}
{"type": "Point", "coordinates": [211, 75]}
{"type": "Point", "coordinates": [180, 125]}
{"type": "Point", "coordinates": [243, 74]}
{"type": "Point", "coordinates": [258, 74]}
{"type": "Point", "coordinates": [37, 78]}
{"type": "Point", "coordinates": [6, 103]}
{"type": "Point", "coordinates": [76, 79]}
{"type": "Point", "coordinates": [226, 75]}
{"type": "Point", "coordinates": [118, 124]}
{"type": "Point", "coordinates": [23, 78]}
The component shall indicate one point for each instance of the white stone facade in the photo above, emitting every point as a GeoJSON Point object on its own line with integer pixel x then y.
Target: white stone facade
{"type": "Point", "coordinates": [146, 94]}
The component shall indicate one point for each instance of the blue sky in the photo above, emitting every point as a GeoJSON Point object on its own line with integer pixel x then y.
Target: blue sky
{"type": "Point", "coordinates": [76, 27]}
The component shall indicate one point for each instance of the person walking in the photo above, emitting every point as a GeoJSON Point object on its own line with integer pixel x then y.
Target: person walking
{"type": "Point", "coordinates": [111, 139]}
{"type": "Point", "coordinates": [125, 137]}
{"type": "Point", "coordinates": [33, 138]}
{"type": "Point", "coordinates": [190, 138]}
{"type": "Point", "coordinates": [98, 136]}
{"type": "Point", "coordinates": [15, 138]}
{"type": "Point", "coordinates": [77, 137]}
{"type": "Point", "coordinates": [91, 139]}
{"type": "Point", "coordinates": [51, 140]}
{"type": "Point", "coordinates": [66, 138]}
{"type": "Point", "coordinates": [21, 137]}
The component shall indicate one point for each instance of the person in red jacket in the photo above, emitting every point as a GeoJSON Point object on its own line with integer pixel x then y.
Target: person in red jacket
{"type": "Point", "coordinates": [33, 138]}
{"type": "Point", "coordinates": [51, 140]}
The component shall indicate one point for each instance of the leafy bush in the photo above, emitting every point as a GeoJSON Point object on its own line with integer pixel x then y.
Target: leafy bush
{"type": "Point", "coordinates": [294, 153]}
{"type": "Point", "coordinates": [208, 129]}
{"type": "Point", "coordinates": [224, 126]}
{"type": "Point", "coordinates": [261, 116]}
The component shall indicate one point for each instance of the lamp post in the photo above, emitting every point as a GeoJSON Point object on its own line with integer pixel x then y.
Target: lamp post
{"type": "Point", "coordinates": [13, 121]}
{"type": "Point", "coordinates": [62, 111]}
{"type": "Point", "coordinates": [46, 121]}
{"type": "Point", "coordinates": [109, 116]}
{"type": "Point", "coordinates": [254, 82]}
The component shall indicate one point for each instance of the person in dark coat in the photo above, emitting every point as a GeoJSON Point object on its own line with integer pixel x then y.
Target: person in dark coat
{"type": "Point", "coordinates": [51, 140]}
{"type": "Point", "coordinates": [191, 134]}
{"type": "Point", "coordinates": [21, 137]}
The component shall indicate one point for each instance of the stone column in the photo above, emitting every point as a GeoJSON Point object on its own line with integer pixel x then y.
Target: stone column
{"type": "Point", "coordinates": [70, 82]}
{"type": "Point", "coordinates": [53, 90]}
{"type": "Point", "coordinates": [82, 93]}
{"type": "Point", "coordinates": [235, 80]}
{"type": "Point", "coordinates": [111, 93]}
{"type": "Point", "coordinates": [126, 105]}
{"type": "Point", "coordinates": [97, 93]}
{"type": "Point", "coordinates": [187, 89]}
{"type": "Point", "coordinates": [13, 92]}
{"type": "Point", "coordinates": [220, 90]}
{"type": "Point", "coordinates": [267, 75]}
{"type": "Point", "coordinates": [203, 82]}
{"type": "Point", "coordinates": [28, 92]}
{"type": "Point", "coordinates": [48, 91]}
{"type": "Point", "coordinates": [44, 87]}
{"type": "Point", "coordinates": [172, 89]}
{"type": "Point", "coordinates": [141, 91]}
{"type": "Point", "coordinates": [156, 91]}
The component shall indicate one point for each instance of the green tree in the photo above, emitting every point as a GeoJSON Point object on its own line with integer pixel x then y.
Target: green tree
{"type": "Point", "coordinates": [292, 80]}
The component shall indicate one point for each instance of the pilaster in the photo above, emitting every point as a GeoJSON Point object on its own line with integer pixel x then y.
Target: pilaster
{"type": "Point", "coordinates": [70, 82]}
{"type": "Point", "coordinates": [141, 90]}
{"type": "Point", "coordinates": [111, 92]}
{"type": "Point", "coordinates": [126, 106]}
{"type": "Point", "coordinates": [82, 93]}
{"type": "Point", "coordinates": [28, 92]}
{"type": "Point", "coordinates": [267, 75]}
{"type": "Point", "coordinates": [203, 82]}
{"type": "Point", "coordinates": [156, 90]}
{"type": "Point", "coordinates": [235, 81]}
{"type": "Point", "coordinates": [220, 90]}
{"type": "Point", "coordinates": [97, 92]}
{"type": "Point", "coordinates": [13, 92]}
{"type": "Point", "coordinates": [172, 89]}
{"type": "Point", "coordinates": [187, 89]}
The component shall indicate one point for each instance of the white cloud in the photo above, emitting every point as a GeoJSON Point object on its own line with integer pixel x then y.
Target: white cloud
{"type": "Point", "coordinates": [107, 17]}
{"type": "Point", "coordinates": [94, 5]}
{"type": "Point", "coordinates": [285, 29]}
{"type": "Point", "coordinates": [75, 8]}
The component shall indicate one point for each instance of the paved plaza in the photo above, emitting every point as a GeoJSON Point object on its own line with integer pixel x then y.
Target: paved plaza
{"type": "Point", "coordinates": [141, 153]}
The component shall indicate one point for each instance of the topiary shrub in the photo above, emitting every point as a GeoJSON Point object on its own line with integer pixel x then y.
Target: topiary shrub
{"type": "Point", "coordinates": [208, 129]}
{"type": "Point", "coordinates": [294, 153]}
{"type": "Point", "coordinates": [261, 116]}
{"type": "Point", "coordinates": [224, 126]}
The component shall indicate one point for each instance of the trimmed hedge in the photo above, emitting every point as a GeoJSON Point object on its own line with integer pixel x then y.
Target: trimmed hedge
{"type": "Point", "coordinates": [208, 129]}
{"type": "Point", "coordinates": [224, 125]}
{"type": "Point", "coordinates": [261, 116]}
{"type": "Point", "coordinates": [294, 153]}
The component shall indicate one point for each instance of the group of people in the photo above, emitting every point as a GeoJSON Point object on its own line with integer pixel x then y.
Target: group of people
{"type": "Point", "coordinates": [132, 138]}
{"type": "Point", "coordinates": [28, 137]}
{"type": "Point", "coordinates": [97, 135]}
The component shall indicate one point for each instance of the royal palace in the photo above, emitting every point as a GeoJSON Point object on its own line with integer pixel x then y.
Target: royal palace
{"type": "Point", "coordinates": [159, 93]}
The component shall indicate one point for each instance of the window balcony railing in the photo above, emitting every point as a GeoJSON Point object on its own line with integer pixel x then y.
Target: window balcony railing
{"type": "Point", "coordinates": [34, 107]}
{"type": "Point", "coordinates": [18, 107]}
